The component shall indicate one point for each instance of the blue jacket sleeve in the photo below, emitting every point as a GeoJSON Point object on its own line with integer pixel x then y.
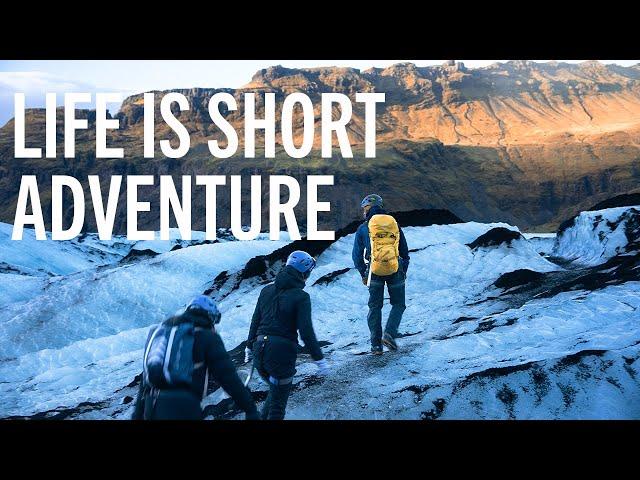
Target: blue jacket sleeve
{"type": "Point", "coordinates": [357, 253]}
{"type": "Point", "coordinates": [403, 249]}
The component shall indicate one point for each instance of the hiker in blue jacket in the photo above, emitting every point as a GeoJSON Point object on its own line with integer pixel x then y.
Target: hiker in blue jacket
{"type": "Point", "coordinates": [372, 205]}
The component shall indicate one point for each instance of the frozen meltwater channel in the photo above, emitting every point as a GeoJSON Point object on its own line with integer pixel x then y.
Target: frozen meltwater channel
{"type": "Point", "coordinates": [78, 337]}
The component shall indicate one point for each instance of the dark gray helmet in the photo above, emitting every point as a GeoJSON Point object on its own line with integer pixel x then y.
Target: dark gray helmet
{"type": "Point", "coordinates": [372, 199]}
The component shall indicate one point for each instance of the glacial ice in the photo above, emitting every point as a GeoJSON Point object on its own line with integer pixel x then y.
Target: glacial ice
{"type": "Point", "coordinates": [595, 236]}
{"type": "Point", "coordinates": [469, 351]}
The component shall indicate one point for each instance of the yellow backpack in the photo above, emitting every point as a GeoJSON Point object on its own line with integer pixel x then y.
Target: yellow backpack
{"type": "Point", "coordinates": [385, 240]}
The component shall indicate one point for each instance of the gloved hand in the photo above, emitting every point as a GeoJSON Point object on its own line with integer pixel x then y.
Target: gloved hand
{"type": "Point", "coordinates": [364, 281]}
{"type": "Point", "coordinates": [323, 367]}
{"type": "Point", "coordinates": [248, 354]}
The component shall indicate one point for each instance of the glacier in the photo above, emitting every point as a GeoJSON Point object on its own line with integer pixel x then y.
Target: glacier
{"type": "Point", "coordinates": [74, 316]}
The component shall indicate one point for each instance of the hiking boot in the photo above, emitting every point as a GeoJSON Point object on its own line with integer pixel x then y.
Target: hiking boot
{"type": "Point", "coordinates": [376, 350]}
{"type": "Point", "coordinates": [389, 341]}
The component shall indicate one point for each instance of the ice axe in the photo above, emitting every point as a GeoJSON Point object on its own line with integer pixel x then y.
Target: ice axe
{"type": "Point", "coordinates": [246, 382]}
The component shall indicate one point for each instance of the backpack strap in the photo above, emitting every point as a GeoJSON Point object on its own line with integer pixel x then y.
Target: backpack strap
{"type": "Point", "coordinates": [276, 305]}
{"type": "Point", "coordinates": [206, 383]}
{"type": "Point", "coordinates": [155, 393]}
{"type": "Point", "coordinates": [146, 353]}
{"type": "Point", "coordinates": [206, 376]}
{"type": "Point", "coordinates": [167, 356]}
{"type": "Point", "coordinates": [203, 364]}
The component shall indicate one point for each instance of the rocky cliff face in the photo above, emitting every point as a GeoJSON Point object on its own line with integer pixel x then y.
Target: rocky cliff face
{"type": "Point", "coordinates": [525, 142]}
{"type": "Point", "coordinates": [514, 103]}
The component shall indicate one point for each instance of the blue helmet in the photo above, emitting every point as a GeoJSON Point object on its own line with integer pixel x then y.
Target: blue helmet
{"type": "Point", "coordinates": [301, 261]}
{"type": "Point", "coordinates": [372, 199]}
{"type": "Point", "coordinates": [207, 305]}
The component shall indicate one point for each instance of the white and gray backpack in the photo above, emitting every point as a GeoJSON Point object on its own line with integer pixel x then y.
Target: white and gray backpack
{"type": "Point", "coordinates": [168, 358]}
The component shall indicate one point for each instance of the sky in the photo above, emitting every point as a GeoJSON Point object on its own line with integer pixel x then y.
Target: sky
{"type": "Point", "coordinates": [35, 78]}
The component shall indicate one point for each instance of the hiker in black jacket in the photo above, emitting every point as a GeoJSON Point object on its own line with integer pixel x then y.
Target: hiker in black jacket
{"type": "Point", "coordinates": [283, 310]}
{"type": "Point", "coordinates": [210, 358]}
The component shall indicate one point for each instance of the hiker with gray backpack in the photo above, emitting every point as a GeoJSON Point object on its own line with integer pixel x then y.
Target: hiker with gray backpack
{"type": "Point", "coordinates": [179, 356]}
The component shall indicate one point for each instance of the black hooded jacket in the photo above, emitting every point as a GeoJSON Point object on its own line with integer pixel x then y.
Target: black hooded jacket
{"type": "Point", "coordinates": [283, 310]}
{"type": "Point", "coordinates": [208, 348]}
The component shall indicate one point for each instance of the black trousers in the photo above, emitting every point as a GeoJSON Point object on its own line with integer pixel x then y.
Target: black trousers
{"type": "Point", "coordinates": [172, 405]}
{"type": "Point", "coordinates": [274, 358]}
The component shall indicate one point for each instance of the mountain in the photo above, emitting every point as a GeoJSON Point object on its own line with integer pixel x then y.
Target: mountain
{"type": "Point", "coordinates": [515, 103]}
{"type": "Point", "coordinates": [499, 325]}
{"type": "Point", "coordinates": [523, 142]}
